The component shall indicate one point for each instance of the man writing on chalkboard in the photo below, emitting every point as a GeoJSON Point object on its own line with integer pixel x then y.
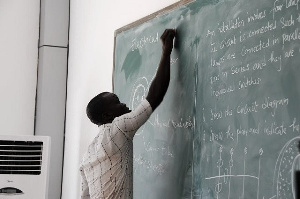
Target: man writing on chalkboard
{"type": "Point", "coordinates": [107, 167]}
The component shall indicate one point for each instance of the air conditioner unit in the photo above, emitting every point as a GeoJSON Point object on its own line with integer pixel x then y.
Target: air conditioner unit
{"type": "Point", "coordinates": [24, 164]}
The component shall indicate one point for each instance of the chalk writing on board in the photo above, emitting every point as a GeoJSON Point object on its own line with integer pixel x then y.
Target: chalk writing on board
{"type": "Point", "coordinates": [273, 128]}
{"type": "Point", "coordinates": [157, 168]}
{"type": "Point", "coordinates": [295, 126]}
{"type": "Point", "coordinates": [171, 123]}
{"type": "Point", "coordinates": [143, 41]}
{"type": "Point", "coordinates": [267, 104]}
{"type": "Point", "coordinates": [230, 25]}
{"type": "Point", "coordinates": [248, 47]}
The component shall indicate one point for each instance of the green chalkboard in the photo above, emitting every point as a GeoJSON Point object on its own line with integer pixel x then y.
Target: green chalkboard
{"type": "Point", "coordinates": [229, 124]}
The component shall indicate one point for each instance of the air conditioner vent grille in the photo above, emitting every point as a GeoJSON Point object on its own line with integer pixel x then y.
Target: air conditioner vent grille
{"type": "Point", "coordinates": [21, 157]}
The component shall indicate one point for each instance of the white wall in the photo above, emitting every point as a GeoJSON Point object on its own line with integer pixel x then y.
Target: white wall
{"type": "Point", "coordinates": [19, 23]}
{"type": "Point", "coordinates": [92, 27]}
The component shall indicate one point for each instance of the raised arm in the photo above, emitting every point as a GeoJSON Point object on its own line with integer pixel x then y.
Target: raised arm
{"type": "Point", "coordinates": [160, 83]}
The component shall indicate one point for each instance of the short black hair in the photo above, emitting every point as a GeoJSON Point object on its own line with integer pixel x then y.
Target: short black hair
{"type": "Point", "coordinates": [95, 108]}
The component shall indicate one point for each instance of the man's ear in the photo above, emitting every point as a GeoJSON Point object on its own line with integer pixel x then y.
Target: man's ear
{"type": "Point", "coordinates": [107, 118]}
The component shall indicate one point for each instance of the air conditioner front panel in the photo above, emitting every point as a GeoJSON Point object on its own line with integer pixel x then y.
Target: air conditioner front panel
{"type": "Point", "coordinates": [24, 167]}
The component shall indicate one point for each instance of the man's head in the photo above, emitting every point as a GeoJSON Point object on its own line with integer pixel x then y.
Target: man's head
{"type": "Point", "coordinates": [104, 108]}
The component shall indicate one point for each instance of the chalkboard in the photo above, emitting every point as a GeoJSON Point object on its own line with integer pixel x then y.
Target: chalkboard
{"type": "Point", "coordinates": [229, 124]}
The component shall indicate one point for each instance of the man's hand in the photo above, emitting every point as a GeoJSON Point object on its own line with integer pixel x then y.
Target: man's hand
{"type": "Point", "coordinates": [167, 40]}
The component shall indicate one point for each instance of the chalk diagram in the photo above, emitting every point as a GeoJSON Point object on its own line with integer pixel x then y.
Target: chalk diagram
{"type": "Point", "coordinates": [139, 91]}
{"type": "Point", "coordinates": [228, 176]}
{"type": "Point", "coordinates": [287, 163]}
{"type": "Point", "coordinates": [138, 94]}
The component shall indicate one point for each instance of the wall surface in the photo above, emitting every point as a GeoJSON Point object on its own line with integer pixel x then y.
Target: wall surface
{"type": "Point", "coordinates": [92, 26]}
{"type": "Point", "coordinates": [19, 22]}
